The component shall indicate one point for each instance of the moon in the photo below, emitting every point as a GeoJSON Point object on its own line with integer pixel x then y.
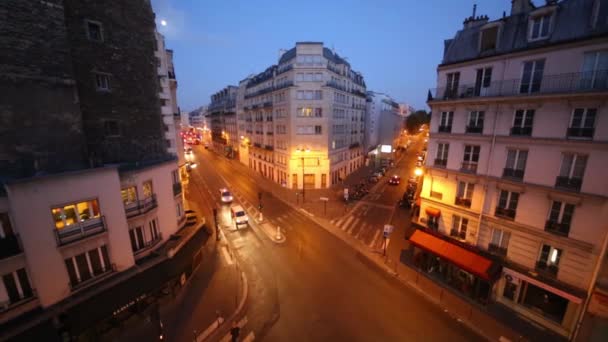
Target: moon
{"type": "Point", "coordinates": [163, 22]}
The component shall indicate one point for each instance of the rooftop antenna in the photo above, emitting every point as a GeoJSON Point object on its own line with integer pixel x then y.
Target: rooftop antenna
{"type": "Point", "coordinates": [474, 10]}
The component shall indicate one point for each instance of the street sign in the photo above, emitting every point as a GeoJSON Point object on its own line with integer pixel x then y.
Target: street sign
{"type": "Point", "coordinates": [388, 229]}
{"type": "Point", "coordinates": [325, 199]}
{"type": "Point", "coordinates": [346, 194]}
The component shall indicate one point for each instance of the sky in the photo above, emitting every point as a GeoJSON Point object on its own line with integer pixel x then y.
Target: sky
{"type": "Point", "coordinates": [395, 44]}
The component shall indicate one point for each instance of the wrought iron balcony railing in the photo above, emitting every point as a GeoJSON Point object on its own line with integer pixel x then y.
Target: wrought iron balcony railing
{"type": "Point", "coordinates": [548, 270]}
{"type": "Point", "coordinates": [444, 129]}
{"type": "Point", "coordinates": [463, 202]}
{"type": "Point", "coordinates": [140, 207]}
{"type": "Point", "coordinates": [441, 162]}
{"type": "Point", "coordinates": [468, 167]}
{"type": "Point", "coordinates": [474, 129]}
{"type": "Point", "coordinates": [80, 230]}
{"type": "Point", "coordinates": [557, 228]}
{"type": "Point", "coordinates": [568, 183]}
{"type": "Point", "coordinates": [513, 174]}
{"type": "Point", "coordinates": [495, 249]}
{"type": "Point", "coordinates": [505, 213]}
{"type": "Point", "coordinates": [581, 132]}
{"type": "Point", "coordinates": [521, 131]}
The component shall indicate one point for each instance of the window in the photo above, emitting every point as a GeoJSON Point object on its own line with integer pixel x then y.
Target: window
{"type": "Point", "coordinates": [451, 86]}
{"type": "Point", "coordinates": [442, 154]}
{"type": "Point", "coordinates": [73, 213]}
{"type": "Point", "coordinates": [304, 112]}
{"type": "Point", "coordinates": [540, 27]}
{"type": "Point", "coordinates": [94, 31]}
{"type": "Point", "coordinates": [88, 265]}
{"type": "Point", "coordinates": [582, 123]}
{"type": "Point", "coordinates": [102, 82]}
{"type": "Point", "coordinates": [179, 209]}
{"type": "Point", "coordinates": [572, 170]}
{"type": "Point", "coordinates": [549, 259]}
{"type": "Point", "coordinates": [470, 158]}
{"type": "Point", "coordinates": [483, 81]}
{"type": "Point", "coordinates": [445, 122]}
{"type": "Point", "coordinates": [475, 124]}
{"type": "Point", "coordinates": [303, 130]}
{"type": "Point", "coordinates": [147, 189]}
{"type": "Point", "coordinates": [153, 227]}
{"type": "Point", "coordinates": [111, 128]}
{"type": "Point", "coordinates": [17, 285]}
{"type": "Point", "coordinates": [459, 227]}
{"type": "Point", "coordinates": [129, 195]}
{"type": "Point", "coordinates": [595, 70]}
{"type": "Point", "coordinates": [175, 176]}
{"type": "Point", "coordinates": [318, 130]}
{"type": "Point", "coordinates": [137, 238]}
{"type": "Point", "coordinates": [309, 95]}
{"type": "Point", "coordinates": [532, 75]}
{"type": "Point", "coordinates": [522, 122]}
{"type": "Point", "coordinates": [318, 112]}
{"type": "Point", "coordinates": [464, 194]}
{"type": "Point", "coordinates": [489, 38]}
{"type": "Point", "coordinates": [560, 217]}
{"type": "Point", "coordinates": [499, 242]}
{"type": "Point", "coordinates": [507, 204]}
{"type": "Point", "coordinates": [516, 164]}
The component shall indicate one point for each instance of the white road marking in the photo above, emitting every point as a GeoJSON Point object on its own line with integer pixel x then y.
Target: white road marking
{"type": "Point", "coordinates": [363, 227]}
{"type": "Point", "coordinates": [373, 242]}
{"type": "Point", "coordinates": [353, 225]}
{"type": "Point", "coordinates": [345, 224]}
{"type": "Point", "coordinates": [227, 256]}
{"type": "Point", "coordinates": [250, 337]}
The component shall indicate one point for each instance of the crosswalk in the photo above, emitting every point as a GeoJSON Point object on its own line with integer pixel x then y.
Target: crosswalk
{"type": "Point", "coordinates": [356, 225]}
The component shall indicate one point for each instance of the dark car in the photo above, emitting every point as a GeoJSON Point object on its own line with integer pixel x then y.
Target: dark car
{"type": "Point", "coordinates": [394, 180]}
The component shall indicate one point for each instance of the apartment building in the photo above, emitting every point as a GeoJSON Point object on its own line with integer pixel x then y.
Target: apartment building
{"type": "Point", "coordinates": [221, 115]}
{"type": "Point", "coordinates": [88, 186]}
{"type": "Point", "coordinates": [301, 121]}
{"type": "Point", "coordinates": [383, 126]}
{"type": "Point", "coordinates": [515, 188]}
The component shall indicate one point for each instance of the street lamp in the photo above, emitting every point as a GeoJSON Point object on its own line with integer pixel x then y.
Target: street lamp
{"type": "Point", "coordinates": [303, 184]}
{"type": "Point", "coordinates": [418, 172]}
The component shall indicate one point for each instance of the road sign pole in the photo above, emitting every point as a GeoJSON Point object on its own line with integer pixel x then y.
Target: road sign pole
{"type": "Point", "coordinates": [325, 208]}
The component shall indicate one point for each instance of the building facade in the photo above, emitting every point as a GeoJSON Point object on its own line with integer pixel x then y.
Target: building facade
{"type": "Point", "coordinates": [88, 184]}
{"type": "Point", "coordinates": [383, 126]}
{"type": "Point", "coordinates": [197, 118]}
{"type": "Point", "coordinates": [516, 156]}
{"type": "Point", "coordinates": [302, 120]}
{"type": "Point", "coordinates": [221, 115]}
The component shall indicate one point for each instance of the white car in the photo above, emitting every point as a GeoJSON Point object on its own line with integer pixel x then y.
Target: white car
{"type": "Point", "coordinates": [226, 196]}
{"type": "Point", "coordinates": [239, 216]}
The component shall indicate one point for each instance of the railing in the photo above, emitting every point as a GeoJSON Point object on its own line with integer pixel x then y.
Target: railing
{"type": "Point", "coordinates": [505, 213]}
{"type": "Point", "coordinates": [460, 235]}
{"type": "Point", "coordinates": [549, 84]}
{"type": "Point", "coordinates": [513, 173]}
{"type": "Point", "coordinates": [151, 243]}
{"type": "Point", "coordinates": [463, 202]}
{"type": "Point", "coordinates": [580, 132]}
{"type": "Point", "coordinates": [257, 144]}
{"type": "Point", "coordinates": [568, 183]}
{"type": "Point", "coordinates": [269, 133]}
{"type": "Point", "coordinates": [260, 92]}
{"type": "Point", "coordinates": [468, 167]}
{"type": "Point", "coordinates": [267, 104]}
{"type": "Point", "coordinates": [285, 69]}
{"type": "Point", "coordinates": [495, 249]}
{"type": "Point", "coordinates": [441, 162]}
{"type": "Point", "coordinates": [177, 188]}
{"type": "Point", "coordinates": [9, 246]}
{"type": "Point", "coordinates": [354, 145]}
{"type": "Point", "coordinates": [269, 119]}
{"type": "Point", "coordinates": [444, 129]}
{"type": "Point", "coordinates": [557, 228]}
{"type": "Point", "coordinates": [549, 270]}
{"type": "Point", "coordinates": [474, 129]}
{"type": "Point", "coordinates": [522, 131]}
{"type": "Point", "coordinates": [141, 207]}
{"type": "Point", "coordinates": [94, 277]}
{"type": "Point", "coordinates": [283, 85]}
{"type": "Point", "coordinates": [336, 85]}
{"type": "Point", "coordinates": [221, 105]}
{"type": "Point", "coordinates": [357, 92]}
{"type": "Point", "coordinates": [80, 230]}
{"type": "Point", "coordinates": [269, 147]}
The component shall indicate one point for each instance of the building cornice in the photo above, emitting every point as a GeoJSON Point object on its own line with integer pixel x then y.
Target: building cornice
{"type": "Point", "coordinates": [515, 98]}
{"type": "Point", "coordinates": [600, 145]}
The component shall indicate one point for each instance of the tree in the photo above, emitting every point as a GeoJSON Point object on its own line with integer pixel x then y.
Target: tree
{"type": "Point", "coordinates": [417, 119]}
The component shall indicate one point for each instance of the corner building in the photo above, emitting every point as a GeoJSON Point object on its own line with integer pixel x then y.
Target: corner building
{"type": "Point", "coordinates": [301, 121]}
{"type": "Point", "coordinates": [517, 160]}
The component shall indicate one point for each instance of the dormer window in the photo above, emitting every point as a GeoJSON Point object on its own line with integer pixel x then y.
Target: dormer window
{"type": "Point", "coordinates": [540, 26]}
{"type": "Point", "coordinates": [489, 39]}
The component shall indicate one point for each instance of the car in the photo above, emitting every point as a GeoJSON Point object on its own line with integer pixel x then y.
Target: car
{"type": "Point", "coordinates": [225, 196]}
{"type": "Point", "coordinates": [420, 158]}
{"type": "Point", "coordinates": [378, 174]}
{"type": "Point", "coordinates": [238, 215]}
{"type": "Point", "coordinates": [394, 180]}
{"type": "Point", "coordinates": [373, 179]}
{"type": "Point", "coordinates": [419, 163]}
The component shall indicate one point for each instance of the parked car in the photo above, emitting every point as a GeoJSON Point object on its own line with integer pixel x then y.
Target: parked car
{"type": "Point", "coordinates": [394, 180]}
{"type": "Point", "coordinates": [373, 179]}
{"type": "Point", "coordinates": [225, 196]}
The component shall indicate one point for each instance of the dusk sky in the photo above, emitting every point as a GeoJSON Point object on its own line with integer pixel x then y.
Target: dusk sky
{"type": "Point", "coordinates": [395, 44]}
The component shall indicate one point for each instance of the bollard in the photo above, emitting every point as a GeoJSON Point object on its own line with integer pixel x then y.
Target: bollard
{"type": "Point", "coordinates": [260, 217]}
{"type": "Point", "coordinates": [278, 237]}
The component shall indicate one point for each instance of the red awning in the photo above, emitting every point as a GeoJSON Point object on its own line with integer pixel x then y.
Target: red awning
{"type": "Point", "coordinates": [459, 256]}
{"type": "Point", "coordinates": [433, 212]}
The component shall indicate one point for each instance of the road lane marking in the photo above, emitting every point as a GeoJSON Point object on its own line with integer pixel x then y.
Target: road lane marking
{"type": "Point", "coordinates": [345, 224]}
{"type": "Point", "coordinates": [363, 227]}
{"type": "Point", "coordinates": [353, 225]}
{"type": "Point", "coordinates": [227, 256]}
{"type": "Point", "coordinates": [373, 242]}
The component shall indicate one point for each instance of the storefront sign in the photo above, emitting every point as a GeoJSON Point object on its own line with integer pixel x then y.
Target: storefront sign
{"type": "Point", "coordinates": [386, 148]}
{"type": "Point", "coordinates": [129, 304]}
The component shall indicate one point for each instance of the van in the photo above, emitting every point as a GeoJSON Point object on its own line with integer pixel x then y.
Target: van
{"type": "Point", "coordinates": [238, 215]}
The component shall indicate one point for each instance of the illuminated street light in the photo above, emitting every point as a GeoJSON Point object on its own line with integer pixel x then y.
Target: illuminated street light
{"type": "Point", "coordinates": [418, 172]}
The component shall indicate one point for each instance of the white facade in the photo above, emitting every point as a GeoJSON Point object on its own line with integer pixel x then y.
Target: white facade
{"type": "Point", "coordinates": [383, 121]}
{"type": "Point", "coordinates": [302, 121]}
{"type": "Point", "coordinates": [516, 167]}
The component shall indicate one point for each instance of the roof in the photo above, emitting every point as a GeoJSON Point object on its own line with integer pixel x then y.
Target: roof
{"type": "Point", "coordinates": [571, 22]}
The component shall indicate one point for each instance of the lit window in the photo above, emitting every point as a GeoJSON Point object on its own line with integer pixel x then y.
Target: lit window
{"type": "Point", "coordinates": [129, 195]}
{"type": "Point", "coordinates": [148, 190]}
{"type": "Point", "coordinates": [72, 213]}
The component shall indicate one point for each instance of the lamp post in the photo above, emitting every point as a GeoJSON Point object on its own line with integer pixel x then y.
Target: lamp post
{"type": "Point", "coordinates": [303, 183]}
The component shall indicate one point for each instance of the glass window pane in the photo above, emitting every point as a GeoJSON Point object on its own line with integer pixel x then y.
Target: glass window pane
{"type": "Point", "coordinates": [529, 118]}
{"type": "Point", "coordinates": [69, 212]}
{"type": "Point", "coordinates": [511, 159]}
{"type": "Point", "coordinates": [590, 118]}
{"type": "Point", "coordinates": [579, 166]}
{"type": "Point", "coordinates": [577, 117]}
{"type": "Point", "coordinates": [521, 160]}
{"type": "Point", "coordinates": [554, 213]}
{"type": "Point", "coordinates": [567, 160]}
{"type": "Point", "coordinates": [83, 267]}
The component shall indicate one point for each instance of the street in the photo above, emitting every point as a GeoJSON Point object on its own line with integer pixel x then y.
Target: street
{"type": "Point", "coordinates": [315, 287]}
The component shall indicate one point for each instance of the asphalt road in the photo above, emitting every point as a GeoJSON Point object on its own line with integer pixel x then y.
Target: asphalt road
{"type": "Point", "coordinates": [315, 287]}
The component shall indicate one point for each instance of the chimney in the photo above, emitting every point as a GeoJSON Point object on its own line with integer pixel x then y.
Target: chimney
{"type": "Point", "coordinates": [521, 6]}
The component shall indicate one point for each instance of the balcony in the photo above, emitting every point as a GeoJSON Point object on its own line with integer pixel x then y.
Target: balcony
{"type": "Point", "coordinates": [462, 235]}
{"type": "Point", "coordinates": [283, 85]}
{"type": "Point", "coordinates": [579, 82]}
{"type": "Point", "coordinates": [441, 162]}
{"type": "Point", "coordinates": [269, 118]}
{"type": "Point", "coordinates": [149, 244]}
{"type": "Point", "coordinates": [463, 202]}
{"type": "Point", "coordinates": [513, 174]}
{"type": "Point", "coordinates": [580, 132]}
{"type": "Point", "coordinates": [335, 85]}
{"type": "Point", "coordinates": [468, 167]}
{"type": "Point", "coordinates": [505, 213]}
{"type": "Point", "coordinates": [257, 145]}
{"type": "Point", "coordinates": [80, 230]}
{"type": "Point", "coordinates": [521, 131]}
{"type": "Point", "coordinates": [177, 188]}
{"type": "Point", "coordinates": [474, 129]}
{"type": "Point", "coordinates": [269, 147]}
{"type": "Point", "coordinates": [557, 228]}
{"type": "Point", "coordinates": [568, 183]}
{"type": "Point", "coordinates": [444, 129]}
{"type": "Point", "coordinates": [95, 277]}
{"type": "Point", "coordinates": [269, 133]}
{"type": "Point", "coordinates": [548, 270]}
{"type": "Point", "coordinates": [140, 207]}
{"type": "Point", "coordinates": [10, 246]}
{"type": "Point", "coordinates": [267, 104]}
{"type": "Point", "coordinates": [497, 250]}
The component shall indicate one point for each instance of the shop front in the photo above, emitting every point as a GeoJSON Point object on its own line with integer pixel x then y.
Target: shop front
{"type": "Point", "coordinates": [463, 270]}
{"type": "Point", "coordinates": [547, 304]}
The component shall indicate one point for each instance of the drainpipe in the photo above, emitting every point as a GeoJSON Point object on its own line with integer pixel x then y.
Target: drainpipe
{"type": "Point", "coordinates": [596, 272]}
